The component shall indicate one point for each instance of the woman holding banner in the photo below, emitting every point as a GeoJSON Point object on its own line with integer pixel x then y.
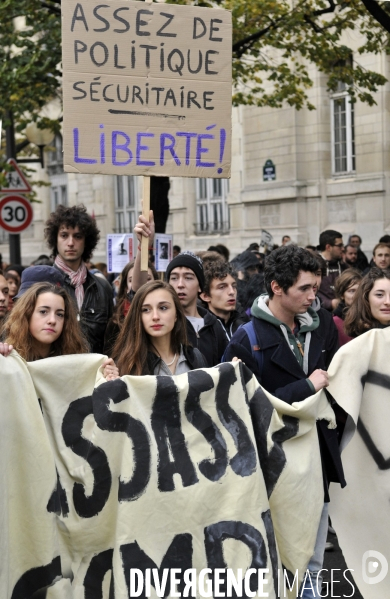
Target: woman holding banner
{"type": "Point", "coordinates": [43, 323]}
{"type": "Point", "coordinates": [153, 339]}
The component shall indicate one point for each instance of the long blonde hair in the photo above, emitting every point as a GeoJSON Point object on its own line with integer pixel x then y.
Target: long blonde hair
{"type": "Point", "coordinates": [16, 329]}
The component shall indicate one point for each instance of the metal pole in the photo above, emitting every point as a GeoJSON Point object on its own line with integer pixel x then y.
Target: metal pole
{"type": "Point", "coordinates": [14, 238]}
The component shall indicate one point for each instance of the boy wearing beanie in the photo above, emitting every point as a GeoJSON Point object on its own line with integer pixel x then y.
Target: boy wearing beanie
{"type": "Point", "coordinates": [185, 274]}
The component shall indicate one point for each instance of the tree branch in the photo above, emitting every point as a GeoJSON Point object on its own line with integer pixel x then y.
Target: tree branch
{"type": "Point", "coordinates": [243, 45]}
{"type": "Point", "coordinates": [378, 13]}
{"type": "Point", "coordinates": [312, 24]}
{"type": "Point", "coordinates": [331, 8]}
{"type": "Point", "coordinates": [52, 8]}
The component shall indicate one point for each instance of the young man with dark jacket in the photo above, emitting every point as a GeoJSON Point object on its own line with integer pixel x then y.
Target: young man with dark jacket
{"type": "Point", "coordinates": [220, 295]}
{"type": "Point", "coordinates": [356, 242]}
{"type": "Point", "coordinates": [331, 249]}
{"type": "Point", "coordinates": [293, 359]}
{"type": "Point", "coordinates": [185, 274]}
{"type": "Point", "coordinates": [72, 235]}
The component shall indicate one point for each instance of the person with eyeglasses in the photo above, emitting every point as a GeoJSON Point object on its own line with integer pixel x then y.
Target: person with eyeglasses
{"type": "Point", "coordinates": [331, 249]}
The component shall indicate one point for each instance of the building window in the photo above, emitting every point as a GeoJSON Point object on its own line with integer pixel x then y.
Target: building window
{"type": "Point", "coordinates": [58, 179]}
{"type": "Point", "coordinates": [125, 203]}
{"type": "Point", "coordinates": [343, 131]}
{"type": "Point", "coordinates": [54, 157]}
{"type": "Point", "coordinates": [4, 236]}
{"type": "Point", "coordinates": [59, 191]}
{"type": "Point", "coordinates": [212, 206]}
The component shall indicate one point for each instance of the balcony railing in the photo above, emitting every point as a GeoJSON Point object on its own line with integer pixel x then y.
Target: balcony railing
{"type": "Point", "coordinates": [223, 228]}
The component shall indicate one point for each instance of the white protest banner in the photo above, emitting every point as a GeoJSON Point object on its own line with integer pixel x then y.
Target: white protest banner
{"type": "Point", "coordinates": [162, 251]}
{"type": "Point", "coordinates": [147, 89]}
{"type": "Point", "coordinates": [359, 380]}
{"type": "Point", "coordinates": [120, 251]}
{"type": "Point", "coordinates": [202, 470]}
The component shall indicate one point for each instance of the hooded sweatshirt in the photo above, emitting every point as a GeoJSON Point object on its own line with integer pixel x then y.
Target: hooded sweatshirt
{"type": "Point", "coordinates": [299, 343]}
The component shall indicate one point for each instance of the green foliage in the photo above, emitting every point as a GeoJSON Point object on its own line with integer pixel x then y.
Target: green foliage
{"type": "Point", "coordinates": [275, 42]}
{"type": "Point", "coordinates": [30, 56]}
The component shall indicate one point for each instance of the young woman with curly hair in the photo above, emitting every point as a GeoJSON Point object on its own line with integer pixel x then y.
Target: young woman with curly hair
{"type": "Point", "coordinates": [43, 323]}
{"type": "Point", "coordinates": [153, 338]}
{"type": "Point", "coordinates": [370, 308]}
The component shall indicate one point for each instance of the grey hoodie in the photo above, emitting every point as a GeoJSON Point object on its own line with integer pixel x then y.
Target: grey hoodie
{"type": "Point", "coordinates": [300, 344]}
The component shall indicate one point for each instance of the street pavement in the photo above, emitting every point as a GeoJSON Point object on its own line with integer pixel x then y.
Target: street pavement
{"type": "Point", "coordinates": [335, 565]}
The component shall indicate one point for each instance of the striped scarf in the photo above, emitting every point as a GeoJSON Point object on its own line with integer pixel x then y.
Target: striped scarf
{"type": "Point", "coordinates": [77, 278]}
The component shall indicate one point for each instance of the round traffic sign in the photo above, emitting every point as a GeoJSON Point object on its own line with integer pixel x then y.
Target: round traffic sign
{"type": "Point", "coordinates": [16, 213]}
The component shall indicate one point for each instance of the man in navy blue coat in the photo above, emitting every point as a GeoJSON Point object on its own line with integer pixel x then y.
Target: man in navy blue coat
{"type": "Point", "coordinates": [289, 359]}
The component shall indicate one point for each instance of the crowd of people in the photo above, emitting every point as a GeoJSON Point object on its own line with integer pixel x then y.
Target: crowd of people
{"type": "Point", "coordinates": [283, 311]}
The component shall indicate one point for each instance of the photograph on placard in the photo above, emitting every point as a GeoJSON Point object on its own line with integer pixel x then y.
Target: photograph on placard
{"type": "Point", "coordinates": [162, 251]}
{"type": "Point", "coordinates": [120, 251]}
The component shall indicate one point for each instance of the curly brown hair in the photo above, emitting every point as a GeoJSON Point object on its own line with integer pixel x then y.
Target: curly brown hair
{"type": "Point", "coordinates": [131, 348]}
{"type": "Point", "coordinates": [359, 318]}
{"type": "Point", "coordinates": [71, 217]}
{"type": "Point", "coordinates": [16, 329]}
{"type": "Point", "coordinates": [217, 270]}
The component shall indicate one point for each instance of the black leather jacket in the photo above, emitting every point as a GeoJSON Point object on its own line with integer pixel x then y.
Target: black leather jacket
{"type": "Point", "coordinates": [211, 340]}
{"type": "Point", "coordinates": [96, 309]}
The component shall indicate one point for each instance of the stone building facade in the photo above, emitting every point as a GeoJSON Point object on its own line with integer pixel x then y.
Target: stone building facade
{"type": "Point", "coordinates": [332, 168]}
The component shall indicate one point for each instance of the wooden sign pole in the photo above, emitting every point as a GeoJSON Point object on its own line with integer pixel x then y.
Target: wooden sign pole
{"type": "Point", "coordinates": [145, 213]}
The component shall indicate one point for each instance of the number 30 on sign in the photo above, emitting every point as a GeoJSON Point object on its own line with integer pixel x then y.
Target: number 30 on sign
{"type": "Point", "coordinates": [16, 213]}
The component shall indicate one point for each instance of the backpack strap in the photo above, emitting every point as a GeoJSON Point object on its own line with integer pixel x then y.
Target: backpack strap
{"type": "Point", "coordinates": [255, 348]}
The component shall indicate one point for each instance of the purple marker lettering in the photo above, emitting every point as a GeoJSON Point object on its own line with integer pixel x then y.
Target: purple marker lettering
{"type": "Point", "coordinates": [188, 143]}
{"type": "Point", "coordinates": [124, 147]}
{"type": "Point", "coordinates": [141, 148]}
{"type": "Point", "coordinates": [102, 146]}
{"type": "Point", "coordinates": [77, 158]}
{"type": "Point", "coordinates": [170, 147]}
{"type": "Point", "coordinates": [200, 150]}
{"type": "Point", "coordinates": [222, 140]}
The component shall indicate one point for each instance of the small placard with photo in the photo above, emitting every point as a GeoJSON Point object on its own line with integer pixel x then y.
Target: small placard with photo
{"type": "Point", "coordinates": [120, 251]}
{"type": "Point", "coordinates": [162, 251]}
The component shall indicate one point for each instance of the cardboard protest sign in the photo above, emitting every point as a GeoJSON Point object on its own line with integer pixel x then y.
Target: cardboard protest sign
{"type": "Point", "coordinates": [147, 89]}
{"type": "Point", "coordinates": [202, 470]}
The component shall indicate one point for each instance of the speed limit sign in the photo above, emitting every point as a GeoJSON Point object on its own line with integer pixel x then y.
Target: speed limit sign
{"type": "Point", "coordinates": [16, 213]}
